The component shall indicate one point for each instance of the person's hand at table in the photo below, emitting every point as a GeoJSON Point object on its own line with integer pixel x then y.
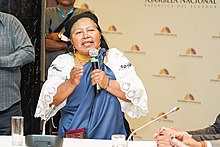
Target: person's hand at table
{"type": "Point", "coordinates": [162, 137]}
{"type": "Point", "coordinates": [182, 139]}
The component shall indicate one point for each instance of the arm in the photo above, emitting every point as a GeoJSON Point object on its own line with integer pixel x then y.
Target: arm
{"type": "Point", "coordinates": [66, 88]}
{"type": "Point", "coordinates": [23, 50]}
{"type": "Point", "coordinates": [58, 73]}
{"type": "Point", "coordinates": [127, 81]}
{"type": "Point", "coordinates": [209, 133]}
{"type": "Point", "coordinates": [115, 89]}
{"type": "Point", "coordinates": [53, 43]}
{"type": "Point", "coordinates": [112, 86]}
{"type": "Point", "coordinates": [213, 129]}
{"type": "Point", "coordinates": [201, 137]}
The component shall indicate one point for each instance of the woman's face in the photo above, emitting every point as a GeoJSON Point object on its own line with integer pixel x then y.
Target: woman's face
{"type": "Point", "coordinates": [85, 35]}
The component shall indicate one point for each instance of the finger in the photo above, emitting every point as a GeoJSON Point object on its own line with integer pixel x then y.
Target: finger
{"type": "Point", "coordinates": [177, 143]}
{"type": "Point", "coordinates": [173, 128]}
{"type": "Point", "coordinates": [161, 130]}
{"type": "Point", "coordinates": [95, 71]}
{"type": "Point", "coordinates": [155, 135]}
{"type": "Point", "coordinates": [165, 144]}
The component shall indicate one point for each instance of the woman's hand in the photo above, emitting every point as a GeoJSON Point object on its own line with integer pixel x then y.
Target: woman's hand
{"type": "Point", "coordinates": [99, 77]}
{"type": "Point", "coordinates": [112, 86]}
{"type": "Point", "coordinates": [75, 75]}
{"type": "Point", "coordinates": [66, 88]}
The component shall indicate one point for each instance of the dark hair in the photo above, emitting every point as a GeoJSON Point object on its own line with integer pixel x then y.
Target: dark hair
{"type": "Point", "coordinates": [88, 14]}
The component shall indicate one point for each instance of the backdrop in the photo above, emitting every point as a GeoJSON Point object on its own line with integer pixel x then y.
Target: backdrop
{"type": "Point", "coordinates": [175, 47]}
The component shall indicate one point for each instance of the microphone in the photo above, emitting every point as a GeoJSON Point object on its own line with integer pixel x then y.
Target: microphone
{"type": "Point", "coordinates": [171, 111]}
{"type": "Point", "coordinates": [93, 53]}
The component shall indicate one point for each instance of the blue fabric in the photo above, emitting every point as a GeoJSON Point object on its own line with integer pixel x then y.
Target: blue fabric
{"type": "Point", "coordinates": [106, 118]}
{"type": "Point", "coordinates": [61, 12]}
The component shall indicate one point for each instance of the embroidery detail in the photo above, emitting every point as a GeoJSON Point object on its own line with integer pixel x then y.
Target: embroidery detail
{"type": "Point", "coordinates": [126, 86]}
{"type": "Point", "coordinates": [55, 68]}
{"type": "Point", "coordinates": [135, 100]}
{"type": "Point", "coordinates": [131, 93]}
{"type": "Point", "coordinates": [127, 65]}
{"type": "Point", "coordinates": [52, 90]}
{"type": "Point", "coordinates": [47, 98]}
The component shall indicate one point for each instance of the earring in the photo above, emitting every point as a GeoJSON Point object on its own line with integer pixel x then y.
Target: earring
{"type": "Point", "coordinates": [73, 50]}
{"type": "Point", "coordinates": [70, 48]}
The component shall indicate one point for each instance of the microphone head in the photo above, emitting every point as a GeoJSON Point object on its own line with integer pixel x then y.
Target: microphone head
{"type": "Point", "coordinates": [175, 109]}
{"type": "Point", "coordinates": [93, 52]}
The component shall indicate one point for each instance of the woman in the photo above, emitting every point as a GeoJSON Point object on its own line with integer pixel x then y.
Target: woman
{"type": "Point", "coordinates": [71, 80]}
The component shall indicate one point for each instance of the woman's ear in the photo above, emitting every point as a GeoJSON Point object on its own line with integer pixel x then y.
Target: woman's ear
{"type": "Point", "coordinates": [71, 40]}
{"type": "Point", "coordinates": [70, 48]}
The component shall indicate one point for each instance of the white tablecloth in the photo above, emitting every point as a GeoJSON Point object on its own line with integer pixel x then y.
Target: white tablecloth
{"type": "Point", "coordinates": [5, 141]}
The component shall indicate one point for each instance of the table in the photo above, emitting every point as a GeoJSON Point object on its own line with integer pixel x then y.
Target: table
{"type": "Point", "coordinates": [5, 141]}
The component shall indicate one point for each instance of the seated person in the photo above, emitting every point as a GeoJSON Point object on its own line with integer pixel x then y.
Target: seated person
{"type": "Point", "coordinates": [183, 139]}
{"type": "Point", "coordinates": [209, 133]}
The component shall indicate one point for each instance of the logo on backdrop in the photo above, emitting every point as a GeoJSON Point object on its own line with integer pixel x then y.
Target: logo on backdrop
{"type": "Point", "coordinates": [192, 4]}
{"type": "Point", "coordinates": [188, 98]}
{"type": "Point", "coordinates": [165, 31]}
{"type": "Point", "coordinates": [164, 119]}
{"type": "Point", "coordinates": [191, 52]}
{"type": "Point", "coordinates": [217, 79]}
{"type": "Point", "coordinates": [217, 36]}
{"type": "Point", "coordinates": [135, 49]}
{"type": "Point", "coordinates": [112, 29]}
{"type": "Point", "coordinates": [164, 73]}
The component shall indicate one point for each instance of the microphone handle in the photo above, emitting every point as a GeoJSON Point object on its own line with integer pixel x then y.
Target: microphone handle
{"type": "Point", "coordinates": [97, 89]}
{"type": "Point", "coordinates": [172, 110]}
{"type": "Point", "coordinates": [95, 65]}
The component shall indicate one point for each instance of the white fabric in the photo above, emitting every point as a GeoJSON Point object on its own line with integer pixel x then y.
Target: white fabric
{"type": "Point", "coordinates": [208, 144]}
{"type": "Point", "coordinates": [129, 82]}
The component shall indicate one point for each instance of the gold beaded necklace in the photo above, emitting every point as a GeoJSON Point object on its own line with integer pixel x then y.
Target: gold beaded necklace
{"type": "Point", "coordinates": [81, 59]}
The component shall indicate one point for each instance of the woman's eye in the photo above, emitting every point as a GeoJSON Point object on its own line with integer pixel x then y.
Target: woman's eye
{"type": "Point", "coordinates": [78, 32]}
{"type": "Point", "coordinates": [90, 30]}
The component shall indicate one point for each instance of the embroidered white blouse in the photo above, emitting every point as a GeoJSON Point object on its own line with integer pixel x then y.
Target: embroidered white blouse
{"type": "Point", "coordinates": [125, 74]}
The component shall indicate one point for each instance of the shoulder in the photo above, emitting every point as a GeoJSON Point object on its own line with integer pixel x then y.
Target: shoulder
{"type": "Point", "coordinates": [61, 65]}
{"type": "Point", "coordinates": [115, 55]}
{"type": "Point", "coordinates": [50, 11]}
{"type": "Point", "coordinates": [8, 18]}
{"type": "Point", "coordinates": [64, 58]}
{"type": "Point", "coordinates": [11, 23]}
{"type": "Point", "coordinates": [79, 10]}
{"type": "Point", "coordinates": [116, 59]}
{"type": "Point", "coordinates": [115, 52]}
{"type": "Point", "coordinates": [6, 15]}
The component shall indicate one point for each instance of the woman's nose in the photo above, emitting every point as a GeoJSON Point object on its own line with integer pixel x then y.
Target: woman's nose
{"type": "Point", "coordinates": [85, 34]}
